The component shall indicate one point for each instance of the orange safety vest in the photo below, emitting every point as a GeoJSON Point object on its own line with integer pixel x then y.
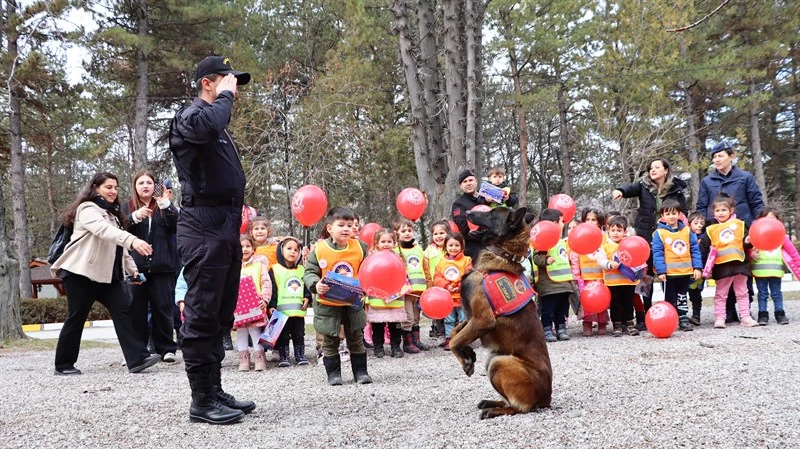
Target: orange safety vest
{"type": "Point", "coordinates": [677, 253]}
{"type": "Point", "coordinates": [269, 250]}
{"type": "Point", "coordinates": [728, 238]}
{"type": "Point", "coordinates": [341, 261]}
{"type": "Point", "coordinates": [614, 277]}
{"type": "Point", "coordinates": [453, 270]}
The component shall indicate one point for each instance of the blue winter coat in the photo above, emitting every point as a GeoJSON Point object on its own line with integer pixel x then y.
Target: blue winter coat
{"type": "Point", "coordinates": [659, 259]}
{"type": "Point", "coordinates": [740, 185]}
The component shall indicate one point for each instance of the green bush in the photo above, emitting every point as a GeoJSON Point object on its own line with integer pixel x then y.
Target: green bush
{"type": "Point", "coordinates": [54, 310]}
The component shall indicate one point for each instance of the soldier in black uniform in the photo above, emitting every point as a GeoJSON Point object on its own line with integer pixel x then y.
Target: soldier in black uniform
{"type": "Point", "coordinates": [468, 199]}
{"type": "Point", "coordinates": [212, 184]}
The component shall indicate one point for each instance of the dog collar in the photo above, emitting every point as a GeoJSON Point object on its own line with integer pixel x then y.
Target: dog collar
{"type": "Point", "coordinates": [504, 254]}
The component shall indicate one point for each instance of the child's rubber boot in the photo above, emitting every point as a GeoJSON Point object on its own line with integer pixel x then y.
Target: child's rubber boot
{"type": "Point", "coordinates": [244, 360]}
{"type": "Point", "coordinates": [561, 332]}
{"type": "Point", "coordinates": [408, 343]}
{"type": "Point", "coordinates": [587, 329]}
{"type": "Point", "coordinates": [333, 368]}
{"type": "Point", "coordinates": [415, 338]}
{"type": "Point", "coordinates": [359, 364]}
{"type": "Point", "coordinates": [283, 352]}
{"type": "Point", "coordinates": [300, 354]}
{"type": "Point", "coordinates": [548, 335]}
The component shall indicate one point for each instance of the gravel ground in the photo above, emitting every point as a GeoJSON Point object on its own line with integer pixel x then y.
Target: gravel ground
{"type": "Point", "coordinates": [709, 388]}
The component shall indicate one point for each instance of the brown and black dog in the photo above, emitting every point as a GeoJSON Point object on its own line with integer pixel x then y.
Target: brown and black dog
{"type": "Point", "coordinates": [519, 364]}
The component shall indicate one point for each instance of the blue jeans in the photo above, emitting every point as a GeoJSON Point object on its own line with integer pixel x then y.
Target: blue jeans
{"type": "Point", "coordinates": [459, 314]}
{"type": "Point", "coordinates": [767, 287]}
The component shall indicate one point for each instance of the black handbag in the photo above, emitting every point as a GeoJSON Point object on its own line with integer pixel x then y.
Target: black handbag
{"type": "Point", "coordinates": [60, 241]}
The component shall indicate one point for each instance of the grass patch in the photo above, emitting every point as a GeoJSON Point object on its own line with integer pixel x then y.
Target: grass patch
{"type": "Point", "coordinates": [35, 344]}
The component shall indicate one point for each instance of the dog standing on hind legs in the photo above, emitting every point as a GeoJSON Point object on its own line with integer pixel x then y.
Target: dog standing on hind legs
{"type": "Point", "coordinates": [507, 323]}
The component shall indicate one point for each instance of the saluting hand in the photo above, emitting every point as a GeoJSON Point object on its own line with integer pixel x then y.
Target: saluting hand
{"type": "Point", "coordinates": [227, 83]}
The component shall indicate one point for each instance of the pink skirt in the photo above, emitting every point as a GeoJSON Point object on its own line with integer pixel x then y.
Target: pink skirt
{"type": "Point", "coordinates": [601, 317]}
{"type": "Point", "coordinates": [386, 315]}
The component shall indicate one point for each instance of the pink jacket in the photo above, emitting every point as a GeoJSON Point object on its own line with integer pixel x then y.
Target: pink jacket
{"type": "Point", "coordinates": [791, 257]}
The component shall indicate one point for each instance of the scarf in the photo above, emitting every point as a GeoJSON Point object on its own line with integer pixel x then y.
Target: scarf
{"type": "Point", "coordinates": [110, 207]}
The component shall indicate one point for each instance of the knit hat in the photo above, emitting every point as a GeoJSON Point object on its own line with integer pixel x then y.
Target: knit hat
{"type": "Point", "coordinates": [464, 174]}
{"type": "Point", "coordinates": [722, 146]}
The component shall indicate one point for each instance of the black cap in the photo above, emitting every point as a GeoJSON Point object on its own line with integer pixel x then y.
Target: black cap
{"type": "Point", "coordinates": [722, 146]}
{"type": "Point", "coordinates": [218, 64]}
{"type": "Point", "coordinates": [464, 174]}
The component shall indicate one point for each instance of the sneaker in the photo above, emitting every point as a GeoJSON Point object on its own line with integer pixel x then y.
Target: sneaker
{"type": "Point", "coordinates": [719, 323]}
{"type": "Point", "coordinates": [168, 357]}
{"type": "Point", "coordinates": [344, 354]}
{"type": "Point", "coordinates": [618, 329]}
{"type": "Point", "coordinates": [763, 318]}
{"type": "Point", "coordinates": [695, 320]}
{"type": "Point", "coordinates": [631, 329]}
{"type": "Point", "coordinates": [67, 372]}
{"type": "Point", "coordinates": [684, 325]}
{"type": "Point", "coordinates": [144, 364]}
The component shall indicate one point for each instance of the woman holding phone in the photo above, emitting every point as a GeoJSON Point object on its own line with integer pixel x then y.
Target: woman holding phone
{"type": "Point", "coordinates": [93, 267]}
{"type": "Point", "coordinates": [152, 217]}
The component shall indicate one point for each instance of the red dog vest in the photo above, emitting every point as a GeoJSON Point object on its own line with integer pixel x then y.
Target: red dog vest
{"type": "Point", "coordinates": [507, 292]}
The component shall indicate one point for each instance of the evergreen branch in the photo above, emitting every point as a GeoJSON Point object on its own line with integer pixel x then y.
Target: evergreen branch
{"type": "Point", "coordinates": [689, 27]}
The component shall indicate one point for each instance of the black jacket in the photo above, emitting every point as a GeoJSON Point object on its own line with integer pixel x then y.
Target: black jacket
{"type": "Point", "coordinates": [205, 154]}
{"type": "Point", "coordinates": [647, 215]}
{"type": "Point", "coordinates": [161, 236]}
{"type": "Point", "coordinates": [461, 205]}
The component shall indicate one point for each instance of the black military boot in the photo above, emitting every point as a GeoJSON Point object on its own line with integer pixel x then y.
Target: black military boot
{"type": "Point", "coordinates": [206, 406]}
{"type": "Point", "coordinates": [300, 354]}
{"type": "Point", "coordinates": [227, 398]}
{"type": "Point", "coordinates": [415, 338]}
{"type": "Point", "coordinates": [359, 364]}
{"type": "Point", "coordinates": [333, 367]}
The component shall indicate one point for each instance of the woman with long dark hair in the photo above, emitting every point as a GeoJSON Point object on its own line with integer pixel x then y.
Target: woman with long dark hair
{"type": "Point", "coordinates": [151, 217]}
{"type": "Point", "coordinates": [93, 268]}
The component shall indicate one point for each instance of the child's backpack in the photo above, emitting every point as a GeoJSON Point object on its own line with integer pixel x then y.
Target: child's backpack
{"type": "Point", "coordinates": [62, 237]}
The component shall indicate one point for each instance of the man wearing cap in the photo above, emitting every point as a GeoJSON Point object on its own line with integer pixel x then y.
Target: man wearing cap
{"type": "Point", "coordinates": [468, 199]}
{"type": "Point", "coordinates": [741, 186]}
{"type": "Point", "coordinates": [212, 187]}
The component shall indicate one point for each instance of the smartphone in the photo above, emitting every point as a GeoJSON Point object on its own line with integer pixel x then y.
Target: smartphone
{"type": "Point", "coordinates": [136, 279]}
{"type": "Point", "coordinates": [158, 191]}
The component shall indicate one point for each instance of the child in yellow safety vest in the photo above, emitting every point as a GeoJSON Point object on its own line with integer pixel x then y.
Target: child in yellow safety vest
{"type": "Point", "coordinates": [555, 283]}
{"type": "Point", "coordinates": [767, 267]}
{"type": "Point", "coordinates": [290, 297]}
{"type": "Point", "coordinates": [420, 279]}
{"type": "Point", "coordinates": [728, 235]}
{"type": "Point", "coordinates": [448, 275]}
{"type": "Point", "coordinates": [435, 252]}
{"type": "Point", "coordinates": [585, 270]}
{"type": "Point", "coordinates": [676, 259]}
{"type": "Point", "coordinates": [622, 289]}
{"type": "Point", "coordinates": [343, 255]}
{"type": "Point", "coordinates": [256, 267]}
{"type": "Point", "coordinates": [386, 313]}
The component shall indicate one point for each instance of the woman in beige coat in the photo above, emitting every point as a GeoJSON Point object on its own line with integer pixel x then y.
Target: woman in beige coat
{"type": "Point", "coordinates": [93, 268]}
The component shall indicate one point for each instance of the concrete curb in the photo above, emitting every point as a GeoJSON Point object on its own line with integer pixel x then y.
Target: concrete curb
{"type": "Point", "coordinates": [58, 326]}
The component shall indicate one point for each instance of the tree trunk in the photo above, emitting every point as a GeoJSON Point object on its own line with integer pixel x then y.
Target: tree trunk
{"type": "Point", "coordinates": [563, 137]}
{"type": "Point", "coordinates": [522, 120]}
{"type": "Point", "coordinates": [474, 99]}
{"type": "Point", "coordinates": [693, 142]}
{"type": "Point", "coordinates": [10, 278]}
{"type": "Point", "coordinates": [433, 98]}
{"type": "Point", "coordinates": [422, 155]}
{"type": "Point", "coordinates": [142, 88]}
{"type": "Point", "coordinates": [755, 139]}
{"type": "Point", "coordinates": [17, 158]}
{"type": "Point", "coordinates": [455, 86]}
{"type": "Point", "coordinates": [50, 185]}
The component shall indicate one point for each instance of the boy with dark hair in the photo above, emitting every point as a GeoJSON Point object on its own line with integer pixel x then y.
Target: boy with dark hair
{"type": "Point", "coordinates": [622, 289]}
{"type": "Point", "coordinates": [676, 259]}
{"type": "Point", "coordinates": [697, 223]}
{"type": "Point", "coordinates": [343, 255]}
{"type": "Point", "coordinates": [497, 177]}
{"type": "Point", "coordinates": [555, 283]}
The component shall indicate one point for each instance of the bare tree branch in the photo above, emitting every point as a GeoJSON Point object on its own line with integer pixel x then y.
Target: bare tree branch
{"type": "Point", "coordinates": [689, 27]}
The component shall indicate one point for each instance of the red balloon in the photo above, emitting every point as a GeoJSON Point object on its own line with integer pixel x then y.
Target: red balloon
{"type": "Point", "coordinates": [545, 235]}
{"type": "Point", "coordinates": [411, 203]}
{"type": "Point", "coordinates": [367, 233]}
{"type": "Point", "coordinates": [247, 213]}
{"type": "Point", "coordinates": [565, 204]}
{"type": "Point", "coordinates": [436, 303]}
{"type": "Point", "coordinates": [382, 274]}
{"type": "Point", "coordinates": [767, 234]}
{"type": "Point", "coordinates": [309, 204]}
{"type": "Point", "coordinates": [633, 251]}
{"type": "Point", "coordinates": [454, 226]}
{"type": "Point", "coordinates": [661, 319]}
{"type": "Point", "coordinates": [479, 208]}
{"type": "Point", "coordinates": [595, 297]}
{"type": "Point", "coordinates": [585, 238]}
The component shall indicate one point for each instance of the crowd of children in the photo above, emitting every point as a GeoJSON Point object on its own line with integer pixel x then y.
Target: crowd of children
{"type": "Point", "coordinates": [289, 278]}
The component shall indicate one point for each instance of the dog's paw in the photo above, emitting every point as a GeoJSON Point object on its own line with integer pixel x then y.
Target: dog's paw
{"type": "Point", "coordinates": [487, 413]}
{"type": "Point", "coordinates": [469, 360]}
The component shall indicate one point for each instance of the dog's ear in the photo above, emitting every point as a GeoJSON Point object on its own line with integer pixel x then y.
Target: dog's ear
{"type": "Point", "coordinates": [515, 219]}
{"type": "Point", "coordinates": [529, 217]}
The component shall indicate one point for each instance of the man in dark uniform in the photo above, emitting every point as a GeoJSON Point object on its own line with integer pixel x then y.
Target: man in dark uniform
{"type": "Point", "coordinates": [212, 184]}
{"type": "Point", "coordinates": [468, 199]}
